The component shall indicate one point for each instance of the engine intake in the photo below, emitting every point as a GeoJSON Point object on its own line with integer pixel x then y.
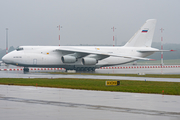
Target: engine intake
{"type": "Point", "coordinates": [89, 61]}
{"type": "Point", "coordinates": [68, 59]}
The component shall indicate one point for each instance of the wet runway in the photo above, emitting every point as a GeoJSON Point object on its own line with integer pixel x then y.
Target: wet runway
{"type": "Point", "coordinates": [20, 74]}
{"type": "Point", "coordinates": [123, 69]}
{"type": "Point", "coordinates": [26, 102]}
{"type": "Point", "coordinates": [141, 70]}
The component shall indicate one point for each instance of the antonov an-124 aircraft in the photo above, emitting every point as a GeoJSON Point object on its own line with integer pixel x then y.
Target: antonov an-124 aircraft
{"type": "Point", "coordinates": [86, 58]}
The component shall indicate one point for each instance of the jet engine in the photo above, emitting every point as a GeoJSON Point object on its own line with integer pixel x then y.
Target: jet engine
{"type": "Point", "coordinates": [89, 61]}
{"type": "Point", "coordinates": [68, 59]}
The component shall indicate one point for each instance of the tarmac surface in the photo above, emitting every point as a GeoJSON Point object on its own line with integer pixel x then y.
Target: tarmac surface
{"type": "Point", "coordinates": [141, 70]}
{"type": "Point", "coordinates": [20, 74]}
{"type": "Point", "coordinates": [124, 69]}
{"type": "Point", "coordinates": [27, 102]}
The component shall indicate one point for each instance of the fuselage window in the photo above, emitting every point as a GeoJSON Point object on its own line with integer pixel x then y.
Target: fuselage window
{"type": "Point", "coordinates": [18, 49]}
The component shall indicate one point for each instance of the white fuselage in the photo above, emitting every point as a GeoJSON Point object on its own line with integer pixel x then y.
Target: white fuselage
{"type": "Point", "coordinates": [48, 56]}
{"type": "Point", "coordinates": [83, 58]}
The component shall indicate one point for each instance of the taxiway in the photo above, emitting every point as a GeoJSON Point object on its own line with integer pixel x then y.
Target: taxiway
{"type": "Point", "coordinates": [26, 102]}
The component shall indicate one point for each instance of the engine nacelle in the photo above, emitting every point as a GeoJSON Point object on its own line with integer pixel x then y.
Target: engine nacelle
{"type": "Point", "coordinates": [89, 61]}
{"type": "Point", "coordinates": [68, 59]}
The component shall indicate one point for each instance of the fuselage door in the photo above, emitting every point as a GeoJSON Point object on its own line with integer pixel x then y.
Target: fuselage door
{"type": "Point", "coordinates": [34, 61]}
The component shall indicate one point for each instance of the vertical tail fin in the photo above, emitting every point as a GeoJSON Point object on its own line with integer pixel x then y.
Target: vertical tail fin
{"type": "Point", "coordinates": [144, 36]}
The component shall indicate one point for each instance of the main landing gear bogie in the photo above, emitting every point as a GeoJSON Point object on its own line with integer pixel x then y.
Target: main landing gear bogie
{"type": "Point", "coordinates": [85, 69]}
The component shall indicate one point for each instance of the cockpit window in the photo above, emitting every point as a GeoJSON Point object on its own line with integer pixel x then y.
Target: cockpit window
{"type": "Point", "coordinates": [19, 48]}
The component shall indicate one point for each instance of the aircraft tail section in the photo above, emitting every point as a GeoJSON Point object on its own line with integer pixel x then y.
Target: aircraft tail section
{"type": "Point", "coordinates": [143, 37]}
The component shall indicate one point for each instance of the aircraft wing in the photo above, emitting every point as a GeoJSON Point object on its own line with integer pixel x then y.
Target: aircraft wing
{"type": "Point", "coordinates": [155, 50]}
{"type": "Point", "coordinates": [97, 52]}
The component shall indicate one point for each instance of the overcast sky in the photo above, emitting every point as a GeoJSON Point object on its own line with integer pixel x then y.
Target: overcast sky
{"type": "Point", "coordinates": [34, 22]}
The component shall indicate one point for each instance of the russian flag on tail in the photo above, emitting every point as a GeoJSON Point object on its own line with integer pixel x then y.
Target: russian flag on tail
{"type": "Point", "coordinates": [144, 31]}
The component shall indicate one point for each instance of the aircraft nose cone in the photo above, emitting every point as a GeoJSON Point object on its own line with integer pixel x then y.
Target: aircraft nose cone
{"type": "Point", "coordinates": [6, 59]}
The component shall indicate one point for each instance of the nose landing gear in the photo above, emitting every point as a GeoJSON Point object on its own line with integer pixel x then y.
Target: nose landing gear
{"type": "Point", "coordinates": [26, 69]}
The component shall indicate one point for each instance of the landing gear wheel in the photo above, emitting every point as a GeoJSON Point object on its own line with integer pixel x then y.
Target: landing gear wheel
{"type": "Point", "coordinates": [93, 69]}
{"type": "Point", "coordinates": [85, 69]}
{"type": "Point", "coordinates": [78, 69]}
{"type": "Point", "coordinates": [26, 69]}
{"type": "Point", "coordinates": [89, 69]}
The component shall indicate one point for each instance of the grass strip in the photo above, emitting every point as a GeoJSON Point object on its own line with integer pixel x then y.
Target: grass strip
{"type": "Point", "coordinates": [130, 75]}
{"type": "Point", "coordinates": [169, 88]}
